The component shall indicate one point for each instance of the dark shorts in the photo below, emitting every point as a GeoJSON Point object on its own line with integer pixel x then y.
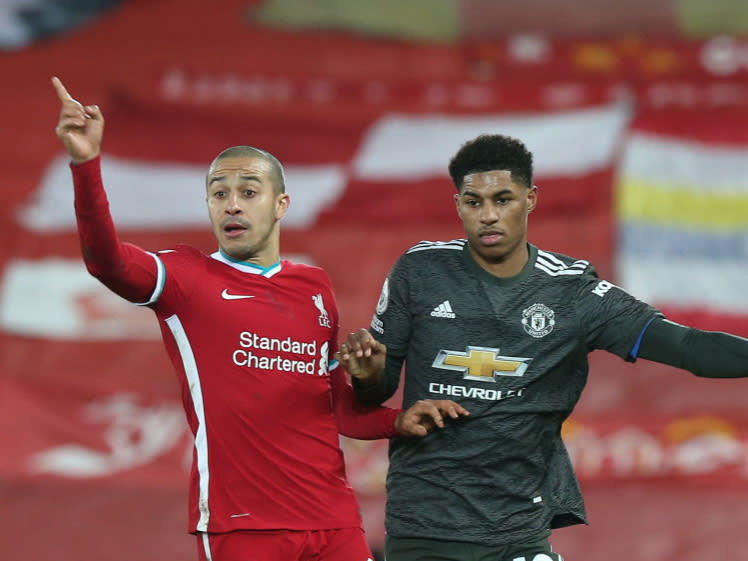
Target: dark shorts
{"type": "Point", "coordinates": [347, 544]}
{"type": "Point", "coordinates": [417, 549]}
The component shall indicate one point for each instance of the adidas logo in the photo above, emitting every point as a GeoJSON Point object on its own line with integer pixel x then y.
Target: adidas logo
{"type": "Point", "coordinates": [443, 310]}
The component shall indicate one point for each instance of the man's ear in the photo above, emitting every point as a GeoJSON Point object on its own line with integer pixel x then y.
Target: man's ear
{"type": "Point", "coordinates": [532, 198]}
{"type": "Point", "coordinates": [282, 202]}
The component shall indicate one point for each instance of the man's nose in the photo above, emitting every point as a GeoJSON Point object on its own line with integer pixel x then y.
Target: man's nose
{"type": "Point", "coordinates": [232, 204]}
{"type": "Point", "coordinates": [489, 214]}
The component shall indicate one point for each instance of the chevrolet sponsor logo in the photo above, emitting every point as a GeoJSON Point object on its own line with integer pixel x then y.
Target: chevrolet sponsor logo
{"type": "Point", "coordinates": [481, 363]}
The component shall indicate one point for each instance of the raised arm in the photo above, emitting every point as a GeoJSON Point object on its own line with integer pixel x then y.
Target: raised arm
{"type": "Point", "coordinates": [127, 270]}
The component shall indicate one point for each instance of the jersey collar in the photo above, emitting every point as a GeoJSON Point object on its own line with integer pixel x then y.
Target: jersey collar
{"type": "Point", "coordinates": [479, 271]}
{"type": "Point", "coordinates": [247, 267]}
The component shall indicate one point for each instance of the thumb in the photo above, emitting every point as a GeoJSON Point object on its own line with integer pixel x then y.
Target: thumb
{"type": "Point", "coordinates": [94, 112]}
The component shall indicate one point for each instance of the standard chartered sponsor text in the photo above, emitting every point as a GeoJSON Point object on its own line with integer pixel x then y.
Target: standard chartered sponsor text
{"type": "Point", "coordinates": [250, 343]}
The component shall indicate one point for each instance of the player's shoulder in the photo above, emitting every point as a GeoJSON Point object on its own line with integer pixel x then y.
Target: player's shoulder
{"type": "Point", "coordinates": [306, 271]}
{"type": "Point", "coordinates": [300, 268]}
{"type": "Point", "coordinates": [181, 252]}
{"type": "Point", "coordinates": [558, 265]}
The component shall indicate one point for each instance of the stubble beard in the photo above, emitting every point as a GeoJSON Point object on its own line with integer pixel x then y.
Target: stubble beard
{"type": "Point", "coordinates": [248, 252]}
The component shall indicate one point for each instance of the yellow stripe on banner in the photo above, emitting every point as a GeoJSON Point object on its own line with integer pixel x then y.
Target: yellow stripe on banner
{"type": "Point", "coordinates": [650, 202]}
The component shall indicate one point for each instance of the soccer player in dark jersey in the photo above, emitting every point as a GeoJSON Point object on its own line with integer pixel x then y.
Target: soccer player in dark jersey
{"type": "Point", "coordinates": [505, 328]}
{"type": "Point", "coordinates": [250, 337]}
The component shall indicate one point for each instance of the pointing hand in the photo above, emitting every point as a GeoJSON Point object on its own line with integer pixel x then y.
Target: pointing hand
{"type": "Point", "coordinates": [80, 128]}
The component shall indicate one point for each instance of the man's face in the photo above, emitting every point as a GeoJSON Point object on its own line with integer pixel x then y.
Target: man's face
{"type": "Point", "coordinates": [493, 209]}
{"type": "Point", "coordinates": [245, 207]}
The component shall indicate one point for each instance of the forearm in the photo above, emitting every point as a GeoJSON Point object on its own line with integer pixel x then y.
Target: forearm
{"type": "Point", "coordinates": [707, 354]}
{"type": "Point", "coordinates": [98, 238]}
{"type": "Point", "coordinates": [126, 269]}
{"type": "Point", "coordinates": [385, 384]}
{"type": "Point", "coordinates": [358, 420]}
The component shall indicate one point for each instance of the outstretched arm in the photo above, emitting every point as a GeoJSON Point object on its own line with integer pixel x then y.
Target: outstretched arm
{"type": "Point", "coordinates": [357, 420]}
{"type": "Point", "coordinates": [127, 270]}
{"type": "Point", "coordinates": [370, 422]}
{"type": "Point", "coordinates": [708, 354]}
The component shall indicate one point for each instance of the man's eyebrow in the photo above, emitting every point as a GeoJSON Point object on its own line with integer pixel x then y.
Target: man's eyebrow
{"type": "Point", "coordinates": [469, 193]}
{"type": "Point", "coordinates": [244, 176]}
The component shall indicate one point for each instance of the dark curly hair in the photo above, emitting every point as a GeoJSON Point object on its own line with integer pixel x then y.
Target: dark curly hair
{"type": "Point", "coordinates": [491, 152]}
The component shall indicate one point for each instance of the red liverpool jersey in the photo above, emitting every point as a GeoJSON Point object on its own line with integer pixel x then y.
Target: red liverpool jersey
{"type": "Point", "coordinates": [252, 349]}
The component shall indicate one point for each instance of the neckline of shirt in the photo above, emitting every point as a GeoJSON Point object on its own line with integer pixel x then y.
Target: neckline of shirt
{"type": "Point", "coordinates": [526, 271]}
{"type": "Point", "coordinates": [246, 267]}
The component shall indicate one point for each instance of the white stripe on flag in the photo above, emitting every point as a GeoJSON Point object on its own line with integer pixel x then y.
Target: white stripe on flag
{"type": "Point", "coordinates": [686, 283]}
{"type": "Point", "coordinates": [563, 143]}
{"type": "Point", "coordinates": [57, 298]}
{"type": "Point", "coordinates": [150, 195]}
{"type": "Point", "coordinates": [678, 163]}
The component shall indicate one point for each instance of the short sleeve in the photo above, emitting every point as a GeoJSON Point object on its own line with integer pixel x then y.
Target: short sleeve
{"type": "Point", "coordinates": [611, 318]}
{"type": "Point", "coordinates": [391, 322]}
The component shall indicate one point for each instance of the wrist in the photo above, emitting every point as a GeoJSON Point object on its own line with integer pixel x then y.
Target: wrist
{"type": "Point", "coordinates": [76, 162]}
{"type": "Point", "coordinates": [368, 379]}
{"type": "Point", "coordinates": [83, 160]}
{"type": "Point", "coordinates": [399, 422]}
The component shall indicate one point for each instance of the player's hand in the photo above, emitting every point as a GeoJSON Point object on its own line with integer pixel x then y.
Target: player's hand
{"type": "Point", "coordinates": [421, 417]}
{"type": "Point", "coordinates": [362, 356]}
{"type": "Point", "coordinates": [80, 127]}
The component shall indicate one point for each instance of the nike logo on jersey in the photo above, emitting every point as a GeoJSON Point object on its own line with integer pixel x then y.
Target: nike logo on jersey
{"type": "Point", "coordinates": [443, 310]}
{"type": "Point", "coordinates": [226, 296]}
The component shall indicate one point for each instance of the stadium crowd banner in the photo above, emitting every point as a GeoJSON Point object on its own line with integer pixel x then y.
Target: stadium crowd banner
{"type": "Point", "coordinates": [682, 207]}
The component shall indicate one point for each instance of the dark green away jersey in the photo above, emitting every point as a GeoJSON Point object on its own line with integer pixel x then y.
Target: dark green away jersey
{"type": "Point", "coordinates": [514, 353]}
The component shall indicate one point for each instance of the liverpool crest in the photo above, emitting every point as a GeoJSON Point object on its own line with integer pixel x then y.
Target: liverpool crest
{"type": "Point", "coordinates": [324, 319]}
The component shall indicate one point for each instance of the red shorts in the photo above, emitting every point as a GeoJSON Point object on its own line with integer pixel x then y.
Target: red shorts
{"type": "Point", "coordinates": [347, 544]}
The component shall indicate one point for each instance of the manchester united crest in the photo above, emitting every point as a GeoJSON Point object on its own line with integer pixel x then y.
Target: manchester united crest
{"type": "Point", "coordinates": [538, 320]}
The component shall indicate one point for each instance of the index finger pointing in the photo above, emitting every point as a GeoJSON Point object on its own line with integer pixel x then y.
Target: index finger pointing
{"type": "Point", "coordinates": [62, 93]}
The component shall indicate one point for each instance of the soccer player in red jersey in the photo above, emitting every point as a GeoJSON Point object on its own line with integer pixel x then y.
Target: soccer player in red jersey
{"type": "Point", "coordinates": [251, 338]}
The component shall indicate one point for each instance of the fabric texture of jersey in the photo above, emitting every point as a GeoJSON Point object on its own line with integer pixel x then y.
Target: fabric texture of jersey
{"type": "Point", "coordinates": [513, 351]}
{"type": "Point", "coordinates": [251, 347]}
